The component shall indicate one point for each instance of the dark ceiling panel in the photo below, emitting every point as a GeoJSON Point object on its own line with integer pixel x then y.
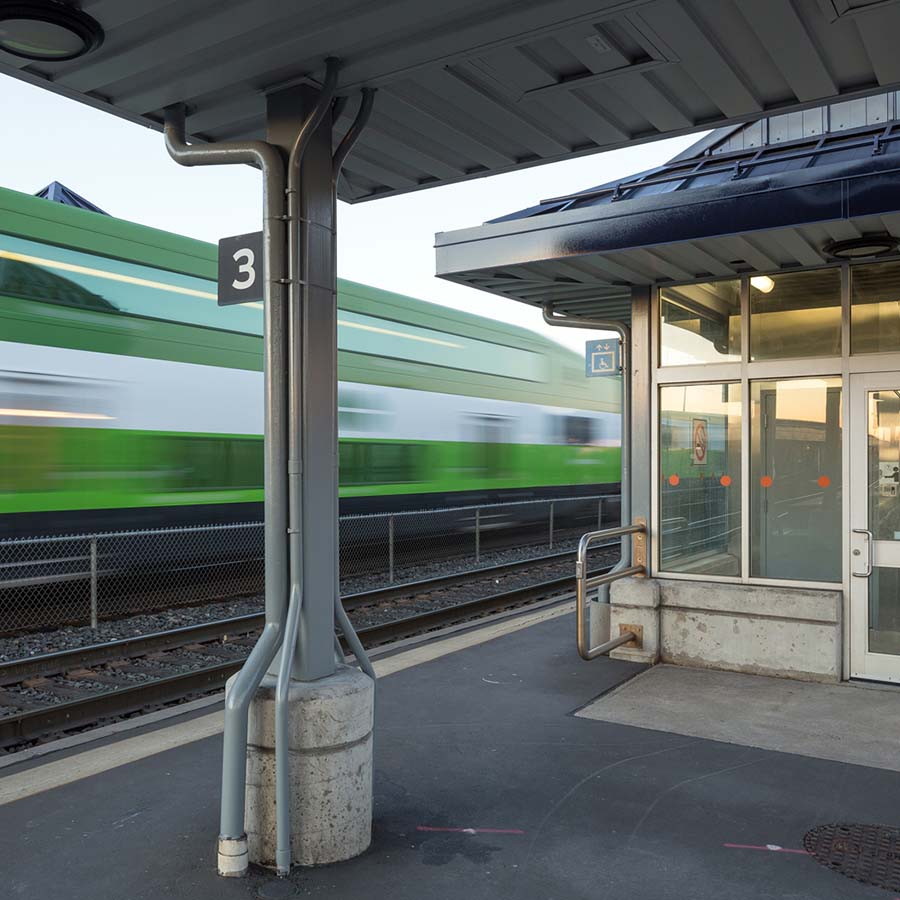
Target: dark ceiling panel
{"type": "Point", "coordinates": [472, 87]}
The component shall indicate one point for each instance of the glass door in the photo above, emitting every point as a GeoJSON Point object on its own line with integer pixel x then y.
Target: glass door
{"type": "Point", "coordinates": [875, 523]}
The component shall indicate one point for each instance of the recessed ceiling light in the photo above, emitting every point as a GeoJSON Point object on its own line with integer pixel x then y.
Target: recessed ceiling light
{"type": "Point", "coordinates": [861, 247]}
{"type": "Point", "coordinates": [47, 31]}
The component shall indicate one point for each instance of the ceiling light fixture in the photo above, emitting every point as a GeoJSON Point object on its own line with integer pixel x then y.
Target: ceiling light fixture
{"type": "Point", "coordinates": [861, 247]}
{"type": "Point", "coordinates": [762, 283]}
{"type": "Point", "coordinates": [47, 30]}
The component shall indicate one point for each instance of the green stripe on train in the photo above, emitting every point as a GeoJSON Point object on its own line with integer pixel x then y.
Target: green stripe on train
{"type": "Point", "coordinates": [65, 468]}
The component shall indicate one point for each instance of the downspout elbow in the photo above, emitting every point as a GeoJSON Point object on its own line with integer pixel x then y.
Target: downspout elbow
{"type": "Point", "coordinates": [256, 153]}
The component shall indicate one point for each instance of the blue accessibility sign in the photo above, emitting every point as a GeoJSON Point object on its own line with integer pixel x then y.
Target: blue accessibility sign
{"type": "Point", "coordinates": [602, 357]}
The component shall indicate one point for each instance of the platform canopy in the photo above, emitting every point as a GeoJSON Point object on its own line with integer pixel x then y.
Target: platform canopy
{"type": "Point", "coordinates": [743, 199]}
{"type": "Point", "coordinates": [475, 87]}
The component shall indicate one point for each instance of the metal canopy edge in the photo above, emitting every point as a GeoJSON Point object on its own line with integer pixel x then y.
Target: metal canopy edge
{"type": "Point", "coordinates": [585, 260]}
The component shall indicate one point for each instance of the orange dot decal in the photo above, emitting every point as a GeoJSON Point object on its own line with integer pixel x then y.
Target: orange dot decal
{"type": "Point", "coordinates": [766, 481]}
{"type": "Point", "coordinates": [725, 481]}
{"type": "Point", "coordinates": [674, 480]}
{"type": "Point", "coordinates": [824, 481]}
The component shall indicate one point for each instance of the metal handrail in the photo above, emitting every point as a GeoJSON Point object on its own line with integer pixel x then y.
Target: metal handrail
{"type": "Point", "coordinates": [583, 584]}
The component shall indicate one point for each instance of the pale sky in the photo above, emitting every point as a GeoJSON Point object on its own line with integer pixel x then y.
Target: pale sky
{"type": "Point", "coordinates": [124, 169]}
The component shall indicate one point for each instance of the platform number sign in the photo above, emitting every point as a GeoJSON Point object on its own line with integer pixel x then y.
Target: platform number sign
{"type": "Point", "coordinates": [241, 277]}
{"type": "Point", "coordinates": [602, 357]}
{"type": "Point", "coordinates": [699, 441]}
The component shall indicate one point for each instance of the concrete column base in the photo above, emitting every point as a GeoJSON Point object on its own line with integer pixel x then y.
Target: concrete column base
{"type": "Point", "coordinates": [331, 723]}
{"type": "Point", "coordinates": [635, 601]}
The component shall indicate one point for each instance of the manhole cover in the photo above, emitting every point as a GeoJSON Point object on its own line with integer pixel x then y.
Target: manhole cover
{"type": "Point", "coordinates": [866, 853]}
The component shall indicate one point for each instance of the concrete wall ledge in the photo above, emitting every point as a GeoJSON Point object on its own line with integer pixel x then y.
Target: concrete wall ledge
{"type": "Point", "coordinates": [806, 604]}
{"type": "Point", "coordinates": [759, 629]}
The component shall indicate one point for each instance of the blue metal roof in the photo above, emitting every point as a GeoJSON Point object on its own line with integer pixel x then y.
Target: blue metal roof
{"type": "Point", "coordinates": [59, 193]}
{"type": "Point", "coordinates": [704, 214]}
{"type": "Point", "coordinates": [699, 167]}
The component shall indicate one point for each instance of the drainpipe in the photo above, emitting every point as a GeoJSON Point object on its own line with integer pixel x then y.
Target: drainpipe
{"type": "Point", "coordinates": [624, 333]}
{"type": "Point", "coordinates": [232, 859]}
{"type": "Point", "coordinates": [367, 100]}
{"type": "Point", "coordinates": [294, 472]}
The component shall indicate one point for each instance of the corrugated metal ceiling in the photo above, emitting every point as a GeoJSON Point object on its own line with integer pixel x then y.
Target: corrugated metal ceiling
{"type": "Point", "coordinates": [473, 87]}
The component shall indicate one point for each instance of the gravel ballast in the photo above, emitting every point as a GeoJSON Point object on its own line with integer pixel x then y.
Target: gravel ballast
{"type": "Point", "coordinates": [72, 637]}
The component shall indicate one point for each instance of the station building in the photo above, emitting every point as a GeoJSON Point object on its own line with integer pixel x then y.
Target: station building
{"type": "Point", "coordinates": [760, 276]}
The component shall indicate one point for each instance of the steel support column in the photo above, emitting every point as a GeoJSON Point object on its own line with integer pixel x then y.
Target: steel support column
{"type": "Point", "coordinates": [312, 352]}
{"type": "Point", "coordinates": [641, 404]}
{"type": "Point", "coordinates": [301, 473]}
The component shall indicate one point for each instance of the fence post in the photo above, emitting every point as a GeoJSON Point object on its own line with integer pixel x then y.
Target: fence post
{"type": "Point", "coordinates": [478, 534]}
{"type": "Point", "coordinates": [94, 583]}
{"type": "Point", "coordinates": [391, 549]}
{"type": "Point", "coordinates": [551, 525]}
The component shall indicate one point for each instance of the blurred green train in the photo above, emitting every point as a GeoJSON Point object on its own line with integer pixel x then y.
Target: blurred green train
{"type": "Point", "coordinates": [129, 399]}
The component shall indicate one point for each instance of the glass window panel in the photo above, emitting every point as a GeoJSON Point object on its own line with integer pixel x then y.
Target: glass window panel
{"type": "Point", "coordinates": [884, 610]}
{"type": "Point", "coordinates": [795, 479]}
{"type": "Point", "coordinates": [884, 465]}
{"type": "Point", "coordinates": [795, 315]}
{"type": "Point", "coordinates": [700, 470]}
{"type": "Point", "coordinates": [700, 323]}
{"type": "Point", "coordinates": [875, 309]}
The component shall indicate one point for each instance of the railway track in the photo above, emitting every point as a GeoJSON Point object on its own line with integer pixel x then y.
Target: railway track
{"type": "Point", "coordinates": [55, 692]}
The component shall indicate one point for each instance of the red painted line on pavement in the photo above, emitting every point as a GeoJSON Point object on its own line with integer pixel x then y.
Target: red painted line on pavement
{"type": "Point", "coordinates": [772, 848]}
{"type": "Point", "coordinates": [471, 830]}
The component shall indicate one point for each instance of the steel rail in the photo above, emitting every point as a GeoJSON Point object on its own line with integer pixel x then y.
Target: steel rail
{"type": "Point", "coordinates": [36, 723]}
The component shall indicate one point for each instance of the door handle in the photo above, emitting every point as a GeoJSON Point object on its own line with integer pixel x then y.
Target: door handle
{"type": "Point", "coordinates": [868, 535]}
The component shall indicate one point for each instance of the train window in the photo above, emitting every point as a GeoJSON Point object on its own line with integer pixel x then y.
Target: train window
{"type": "Point", "coordinates": [35, 398]}
{"type": "Point", "coordinates": [576, 430]}
{"type": "Point", "coordinates": [490, 438]}
{"type": "Point", "coordinates": [375, 462]}
{"type": "Point", "coordinates": [50, 274]}
{"type": "Point", "coordinates": [245, 463]}
{"type": "Point", "coordinates": [201, 463]}
{"type": "Point", "coordinates": [31, 282]}
{"type": "Point", "coordinates": [361, 410]}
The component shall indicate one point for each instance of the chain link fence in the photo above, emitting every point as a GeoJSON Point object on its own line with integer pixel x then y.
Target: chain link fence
{"type": "Point", "coordinates": [47, 582]}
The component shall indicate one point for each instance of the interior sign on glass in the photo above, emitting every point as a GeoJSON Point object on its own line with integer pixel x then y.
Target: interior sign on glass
{"type": "Point", "coordinates": [241, 276]}
{"type": "Point", "coordinates": [699, 441]}
{"type": "Point", "coordinates": [602, 357]}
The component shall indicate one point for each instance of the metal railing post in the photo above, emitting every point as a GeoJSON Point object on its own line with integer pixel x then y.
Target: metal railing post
{"type": "Point", "coordinates": [583, 584]}
{"type": "Point", "coordinates": [391, 549]}
{"type": "Point", "coordinates": [94, 583]}
{"type": "Point", "coordinates": [478, 534]}
{"type": "Point", "coordinates": [551, 525]}
{"type": "Point", "coordinates": [599, 513]}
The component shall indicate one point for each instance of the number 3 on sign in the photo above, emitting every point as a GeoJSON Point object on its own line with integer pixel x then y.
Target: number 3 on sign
{"type": "Point", "coordinates": [242, 269]}
{"type": "Point", "coordinates": [246, 260]}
